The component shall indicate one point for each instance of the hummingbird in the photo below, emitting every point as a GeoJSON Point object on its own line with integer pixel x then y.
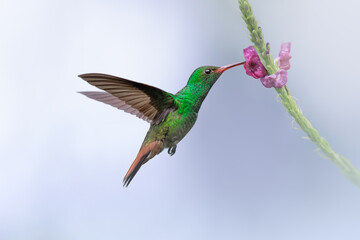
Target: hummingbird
{"type": "Point", "coordinates": [171, 116]}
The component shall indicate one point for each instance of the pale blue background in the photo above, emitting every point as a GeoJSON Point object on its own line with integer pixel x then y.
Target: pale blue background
{"type": "Point", "coordinates": [243, 172]}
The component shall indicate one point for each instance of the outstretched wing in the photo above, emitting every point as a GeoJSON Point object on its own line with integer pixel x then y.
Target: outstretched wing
{"type": "Point", "coordinates": [146, 102]}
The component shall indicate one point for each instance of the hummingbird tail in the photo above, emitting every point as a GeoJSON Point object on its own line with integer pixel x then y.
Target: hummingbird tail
{"type": "Point", "coordinates": [145, 154]}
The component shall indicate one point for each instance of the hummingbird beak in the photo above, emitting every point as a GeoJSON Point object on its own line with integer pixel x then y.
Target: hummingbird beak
{"type": "Point", "coordinates": [224, 68]}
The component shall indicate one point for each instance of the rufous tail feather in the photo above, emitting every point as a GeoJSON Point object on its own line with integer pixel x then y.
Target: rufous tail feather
{"type": "Point", "coordinates": [145, 154]}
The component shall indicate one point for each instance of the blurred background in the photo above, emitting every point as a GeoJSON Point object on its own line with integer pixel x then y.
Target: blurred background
{"type": "Point", "coordinates": [243, 171]}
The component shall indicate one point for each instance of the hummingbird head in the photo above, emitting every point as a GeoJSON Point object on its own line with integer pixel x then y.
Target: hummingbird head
{"type": "Point", "coordinates": [208, 75]}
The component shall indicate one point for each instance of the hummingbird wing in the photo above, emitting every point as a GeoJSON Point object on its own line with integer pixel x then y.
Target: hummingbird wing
{"type": "Point", "coordinates": [146, 102]}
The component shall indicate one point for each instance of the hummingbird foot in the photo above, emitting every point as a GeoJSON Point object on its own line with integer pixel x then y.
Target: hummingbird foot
{"type": "Point", "coordinates": [172, 150]}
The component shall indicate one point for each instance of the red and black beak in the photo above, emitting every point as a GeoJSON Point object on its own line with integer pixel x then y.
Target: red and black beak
{"type": "Point", "coordinates": [224, 68]}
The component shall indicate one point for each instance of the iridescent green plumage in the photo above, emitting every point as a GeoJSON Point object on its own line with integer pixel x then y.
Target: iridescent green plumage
{"type": "Point", "coordinates": [170, 116]}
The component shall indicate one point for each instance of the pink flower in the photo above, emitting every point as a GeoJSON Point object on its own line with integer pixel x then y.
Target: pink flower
{"type": "Point", "coordinates": [256, 69]}
{"type": "Point", "coordinates": [276, 80]}
{"type": "Point", "coordinates": [283, 60]}
{"type": "Point", "coordinates": [253, 65]}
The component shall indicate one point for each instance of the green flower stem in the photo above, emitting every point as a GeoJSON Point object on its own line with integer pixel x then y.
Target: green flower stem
{"type": "Point", "coordinates": [289, 103]}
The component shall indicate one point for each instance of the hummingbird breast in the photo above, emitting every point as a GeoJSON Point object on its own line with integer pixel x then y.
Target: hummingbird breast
{"type": "Point", "coordinates": [179, 126]}
{"type": "Point", "coordinates": [180, 121]}
{"type": "Point", "coordinates": [176, 125]}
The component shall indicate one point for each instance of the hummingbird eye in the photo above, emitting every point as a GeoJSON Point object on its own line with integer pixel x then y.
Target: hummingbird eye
{"type": "Point", "coordinates": [207, 71]}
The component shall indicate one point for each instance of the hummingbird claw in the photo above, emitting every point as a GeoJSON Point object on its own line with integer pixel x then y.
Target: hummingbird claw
{"type": "Point", "coordinates": [172, 150]}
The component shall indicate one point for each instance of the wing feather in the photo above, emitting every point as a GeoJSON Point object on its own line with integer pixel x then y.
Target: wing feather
{"type": "Point", "coordinates": [146, 102]}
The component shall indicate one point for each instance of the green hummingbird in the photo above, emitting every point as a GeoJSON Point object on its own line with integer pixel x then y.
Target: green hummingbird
{"type": "Point", "coordinates": [171, 116]}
